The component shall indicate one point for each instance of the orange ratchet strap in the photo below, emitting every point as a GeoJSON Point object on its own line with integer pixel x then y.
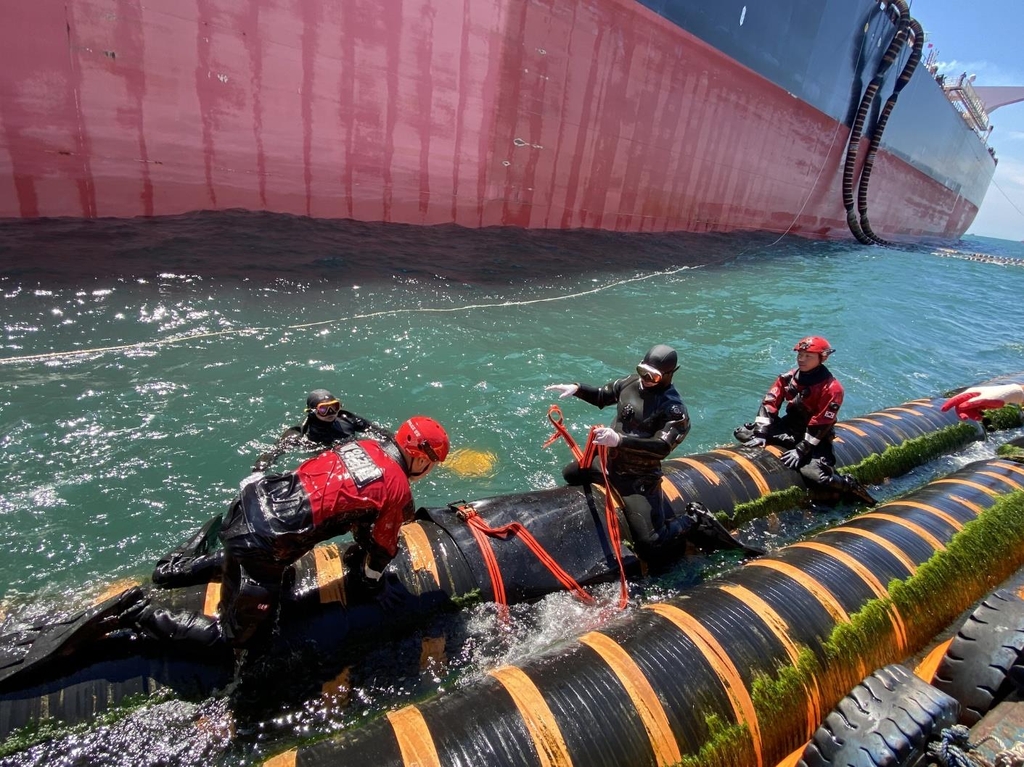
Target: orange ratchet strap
{"type": "Point", "coordinates": [612, 521]}
{"type": "Point", "coordinates": [583, 457]}
{"type": "Point", "coordinates": [481, 531]}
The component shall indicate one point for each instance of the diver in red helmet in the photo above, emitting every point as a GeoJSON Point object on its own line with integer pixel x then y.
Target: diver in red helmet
{"type": "Point", "coordinates": [361, 487]}
{"type": "Point", "coordinates": [813, 397]}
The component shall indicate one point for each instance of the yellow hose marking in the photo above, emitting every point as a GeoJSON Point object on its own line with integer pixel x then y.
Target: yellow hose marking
{"type": "Point", "coordinates": [671, 491]}
{"type": "Point", "coordinates": [817, 589]}
{"type": "Point", "coordinates": [707, 473]}
{"type": "Point", "coordinates": [931, 540]}
{"type": "Point", "coordinates": [854, 429]}
{"type": "Point", "coordinates": [111, 590]}
{"type": "Point", "coordinates": [287, 759]}
{"type": "Point", "coordinates": [414, 738]}
{"type": "Point", "coordinates": [211, 599]}
{"type": "Point", "coordinates": [1014, 467]}
{"type": "Point", "coordinates": [778, 626]}
{"type": "Point", "coordinates": [926, 668]}
{"type": "Point", "coordinates": [865, 419]}
{"type": "Point", "coordinates": [918, 413]}
{"type": "Point", "coordinates": [750, 468]}
{"type": "Point", "coordinates": [1000, 477]}
{"type": "Point", "coordinates": [537, 716]}
{"type": "Point", "coordinates": [967, 504]}
{"type": "Point", "coordinates": [889, 546]}
{"type": "Point", "coordinates": [868, 577]}
{"type": "Point", "coordinates": [953, 522]}
{"type": "Point", "coordinates": [340, 687]}
{"type": "Point", "coordinates": [421, 554]}
{"type": "Point", "coordinates": [975, 485]}
{"type": "Point", "coordinates": [645, 700]}
{"type": "Point", "coordinates": [739, 696]}
{"type": "Point", "coordinates": [330, 575]}
{"type": "Point", "coordinates": [891, 415]}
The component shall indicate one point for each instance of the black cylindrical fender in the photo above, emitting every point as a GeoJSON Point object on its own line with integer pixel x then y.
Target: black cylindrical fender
{"type": "Point", "coordinates": [440, 564]}
{"type": "Point", "coordinates": [738, 671]}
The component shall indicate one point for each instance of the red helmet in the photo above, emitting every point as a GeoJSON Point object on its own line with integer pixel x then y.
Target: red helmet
{"type": "Point", "coordinates": [423, 437]}
{"type": "Point", "coordinates": [815, 344]}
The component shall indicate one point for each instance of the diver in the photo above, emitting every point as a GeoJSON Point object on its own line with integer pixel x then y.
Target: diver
{"type": "Point", "coordinates": [325, 423]}
{"type": "Point", "coordinates": [650, 422]}
{"type": "Point", "coordinates": [361, 487]}
{"type": "Point", "coordinates": [813, 397]}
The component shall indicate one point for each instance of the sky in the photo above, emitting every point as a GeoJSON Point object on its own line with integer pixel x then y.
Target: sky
{"type": "Point", "coordinates": [985, 39]}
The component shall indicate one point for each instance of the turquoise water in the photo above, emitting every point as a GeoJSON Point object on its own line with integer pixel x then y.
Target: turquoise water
{"type": "Point", "coordinates": [146, 363]}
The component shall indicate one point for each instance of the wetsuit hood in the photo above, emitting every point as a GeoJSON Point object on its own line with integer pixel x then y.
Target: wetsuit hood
{"type": "Point", "coordinates": [664, 359]}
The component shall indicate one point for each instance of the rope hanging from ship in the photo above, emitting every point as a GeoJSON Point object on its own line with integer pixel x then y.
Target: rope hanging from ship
{"type": "Point", "coordinates": [856, 210]}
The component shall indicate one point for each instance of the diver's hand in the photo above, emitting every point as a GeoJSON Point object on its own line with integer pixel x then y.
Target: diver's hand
{"type": "Point", "coordinates": [565, 390]}
{"type": "Point", "coordinates": [755, 441]}
{"type": "Point", "coordinates": [606, 436]}
{"type": "Point", "coordinates": [970, 403]}
{"type": "Point", "coordinates": [791, 458]}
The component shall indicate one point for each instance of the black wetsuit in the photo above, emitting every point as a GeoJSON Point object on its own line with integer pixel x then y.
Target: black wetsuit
{"type": "Point", "coordinates": [652, 422]}
{"type": "Point", "coordinates": [314, 433]}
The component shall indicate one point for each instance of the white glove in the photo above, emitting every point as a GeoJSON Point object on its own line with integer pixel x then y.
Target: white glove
{"type": "Point", "coordinates": [566, 390]}
{"type": "Point", "coordinates": [606, 437]}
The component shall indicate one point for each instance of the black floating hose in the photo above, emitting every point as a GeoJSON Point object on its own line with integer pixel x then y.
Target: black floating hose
{"type": "Point", "coordinates": [876, 138]}
{"type": "Point", "coordinates": [739, 670]}
{"type": "Point", "coordinates": [852, 148]}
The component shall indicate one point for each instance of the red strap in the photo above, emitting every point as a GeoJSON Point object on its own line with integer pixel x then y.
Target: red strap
{"type": "Point", "coordinates": [480, 529]}
{"type": "Point", "coordinates": [614, 533]}
{"type": "Point", "coordinates": [493, 571]}
{"type": "Point", "coordinates": [561, 431]}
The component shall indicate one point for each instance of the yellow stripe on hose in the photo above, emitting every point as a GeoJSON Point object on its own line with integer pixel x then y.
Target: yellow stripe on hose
{"type": "Point", "coordinates": [705, 471]}
{"type": "Point", "coordinates": [953, 522]}
{"type": "Point", "coordinates": [287, 759]}
{"type": "Point", "coordinates": [330, 575]}
{"type": "Point", "coordinates": [825, 597]}
{"type": "Point", "coordinates": [918, 413]}
{"type": "Point", "coordinates": [211, 599]}
{"type": "Point", "coordinates": [645, 700]}
{"type": "Point", "coordinates": [778, 626]}
{"type": "Point", "coordinates": [888, 545]}
{"type": "Point", "coordinates": [1007, 480]}
{"type": "Point", "coordinates": [868, 577]}
{"type": "Point", "coordinates": [917, 530]}
{"type": "Point", "coordinates": [750, 468]}
{"type": "Point", "coordinates": [975, 485]}
{"type": "Point", "coordinates": [421, 555]}
{"type": "Point", "coordinates": [1014, 467]}
{"type": "Point", "coordinates": [854, 429]}
{"type": "Point", "coordinates": [739, 696]}
{"type": "Point", "coordinates": [414, 738]}
{"type": "Point", "coordinates": [537, 716]}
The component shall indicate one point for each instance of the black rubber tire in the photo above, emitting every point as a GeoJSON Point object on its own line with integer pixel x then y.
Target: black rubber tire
{"type": "Point", "coordinates": [974, 669]}
{"type": "Point", "coordinates": [888, 719]}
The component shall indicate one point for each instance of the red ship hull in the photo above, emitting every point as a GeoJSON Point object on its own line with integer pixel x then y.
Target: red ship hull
{"type": "Point", "coordinates": [526, 113]}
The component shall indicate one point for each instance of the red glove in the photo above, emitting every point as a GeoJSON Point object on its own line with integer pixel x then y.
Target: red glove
{"type": "Point", "coordinates": [970, 403]}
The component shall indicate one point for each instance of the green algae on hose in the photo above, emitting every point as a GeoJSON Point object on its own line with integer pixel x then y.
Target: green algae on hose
{"type": "Point", "coordinates": [899, 459]}
{"type": "Point", "coordinates": [892, 462]}
{"type": "Point", "coordinates": [942, 588]}
{"type": "Point", "coordinates": [1006, 417]}
{"type": "Point", "coordinates": [726, 745]}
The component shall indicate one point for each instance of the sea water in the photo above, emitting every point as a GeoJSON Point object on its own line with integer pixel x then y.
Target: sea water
{"type": "Point", "coordinates": [144, 364]}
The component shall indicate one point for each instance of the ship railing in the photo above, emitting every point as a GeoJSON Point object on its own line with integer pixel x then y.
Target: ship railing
{"type": "Point", "coordinates": [966, 101]}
